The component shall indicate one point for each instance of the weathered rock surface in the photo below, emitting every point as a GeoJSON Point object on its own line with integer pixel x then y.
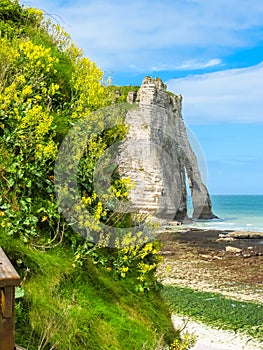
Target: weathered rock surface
{"type": "Point", "coordinates": [157, 156]}
{"type": "Point", "coordinates": [234, 235]}
{"type": "Point", "coordinates": [233, 250]}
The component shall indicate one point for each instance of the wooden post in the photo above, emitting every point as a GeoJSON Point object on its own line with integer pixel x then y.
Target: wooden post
{"type": "Point", "coordinates": [8, 280]}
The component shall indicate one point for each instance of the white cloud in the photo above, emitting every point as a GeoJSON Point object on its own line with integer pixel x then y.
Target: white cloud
{"type": "Point", "coordinates": [226, 96]}
{"type": "Point", "coordinates": [149, 33]}
{"type": "Point", "coordinates": [188, 65]}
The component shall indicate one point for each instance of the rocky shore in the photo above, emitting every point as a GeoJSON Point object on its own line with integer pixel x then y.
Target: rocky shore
{"type": "Point", "coordinates": [230, 263]}
{"type": "Point", "coordinates": [227, 262]}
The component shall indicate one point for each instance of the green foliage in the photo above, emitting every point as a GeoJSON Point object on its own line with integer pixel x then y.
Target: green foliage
{"type": "Point", "coordinates": [216, 310]}
{"type": "Point", "coordinates": [64, 307]}
{"type": "Point", "coordinates": [15, 20]}
{"type": "Point", "coordinates": [133, 257]}
{"type": "Point", "coordinates": [46, 84]}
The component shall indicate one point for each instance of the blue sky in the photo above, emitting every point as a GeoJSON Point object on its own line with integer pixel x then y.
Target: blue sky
{"type": "Point", "coordinates": [211, 52]}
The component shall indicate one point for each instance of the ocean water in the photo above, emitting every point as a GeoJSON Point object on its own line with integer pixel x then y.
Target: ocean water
{"type": "Point", "coordinates": [235, 212]}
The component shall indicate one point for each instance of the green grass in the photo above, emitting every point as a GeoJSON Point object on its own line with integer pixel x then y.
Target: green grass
{"type": "Point", "coordinates": [82, 308]}
{"type": "Point", "coordinates": [216, 310]}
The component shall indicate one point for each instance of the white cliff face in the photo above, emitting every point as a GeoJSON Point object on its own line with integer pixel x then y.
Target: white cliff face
{"type": "Point", "coordinates": [156, 155]}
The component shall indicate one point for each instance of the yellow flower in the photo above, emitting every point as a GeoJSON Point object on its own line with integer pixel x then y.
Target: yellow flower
{"type": "Point", "coordinates": [21, 79]}
{"type": "Point", "coordinates": [86, 200]}
{"type": "Point", "coordinates": [53, 89]}
{"type": "Point", "coordinates": [27, 91]}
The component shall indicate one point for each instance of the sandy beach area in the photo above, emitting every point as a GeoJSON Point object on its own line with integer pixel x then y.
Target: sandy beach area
{"type": "Point", "coordinates": [215, 339]}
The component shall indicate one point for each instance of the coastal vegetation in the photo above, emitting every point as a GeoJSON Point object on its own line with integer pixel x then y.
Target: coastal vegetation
{"type": "Point", "coordinates": [75, 293]}
{"type": "Point", "coordinates": [216, 310]}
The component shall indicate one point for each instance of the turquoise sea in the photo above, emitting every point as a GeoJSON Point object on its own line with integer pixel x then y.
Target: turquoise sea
{"type": "Point", "coordinates": [236, 212]}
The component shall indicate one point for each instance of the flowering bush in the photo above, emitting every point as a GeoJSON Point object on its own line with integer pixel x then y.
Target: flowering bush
{"type": "Point", "coordinates": [44, 85]}
{"type": "Point", "coordinates": [133, 256]}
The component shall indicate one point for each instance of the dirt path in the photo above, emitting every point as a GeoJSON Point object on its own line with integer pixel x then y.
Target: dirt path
{"type": "Point", "coordinates": [198, 260]}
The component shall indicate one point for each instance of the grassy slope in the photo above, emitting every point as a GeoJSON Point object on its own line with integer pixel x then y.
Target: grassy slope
{"type": "Point", "coordinates": [82, 308]}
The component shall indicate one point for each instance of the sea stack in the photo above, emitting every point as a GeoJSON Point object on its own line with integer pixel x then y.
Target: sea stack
{"type": "Point", "coordinates": [157, 156]}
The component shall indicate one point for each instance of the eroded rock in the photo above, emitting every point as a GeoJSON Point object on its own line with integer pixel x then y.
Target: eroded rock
{"type": "Point", "coordinates": [235, 250]}
{"type": "Point", "coordinates": [157, 157]}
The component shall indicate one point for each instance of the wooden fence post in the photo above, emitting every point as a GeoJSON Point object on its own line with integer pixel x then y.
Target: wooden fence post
{"type": "Point", "coordinates": [8, 280]}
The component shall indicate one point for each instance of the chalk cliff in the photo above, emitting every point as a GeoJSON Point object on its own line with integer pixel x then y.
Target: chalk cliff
{"type": "Point", "coordinates": [157, 156]}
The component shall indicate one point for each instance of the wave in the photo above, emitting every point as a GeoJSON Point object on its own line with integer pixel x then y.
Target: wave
{"type": "Point", "coordinates": [235, 212]}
